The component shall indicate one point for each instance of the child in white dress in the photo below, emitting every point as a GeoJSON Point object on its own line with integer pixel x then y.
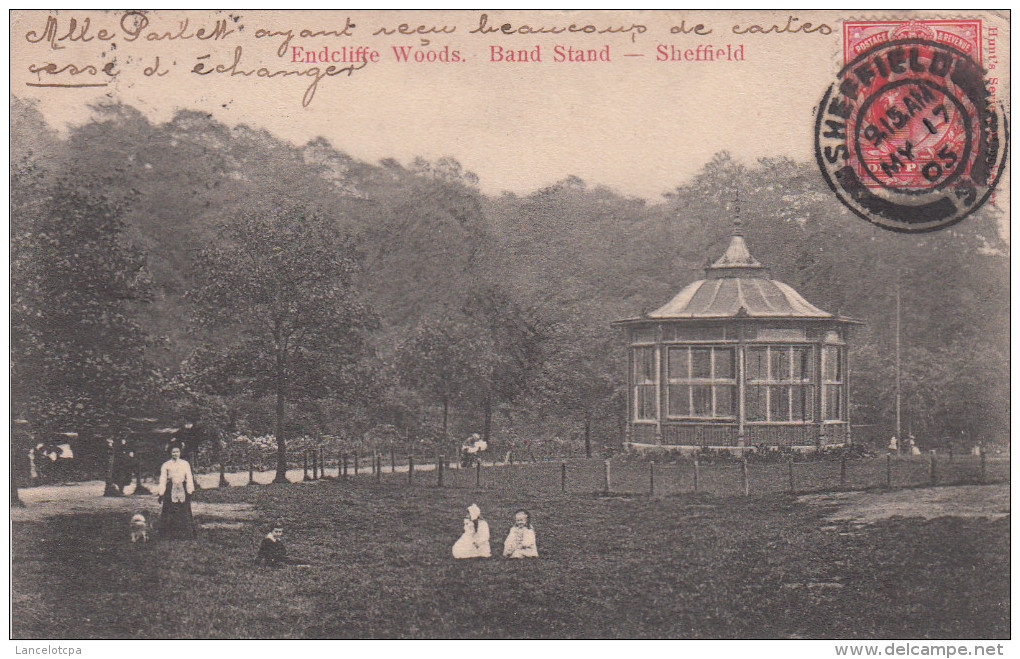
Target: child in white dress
{"type": "Point", "coordinates": [474, 543]}
{"type": "Point", "coordinates": [520, 543]}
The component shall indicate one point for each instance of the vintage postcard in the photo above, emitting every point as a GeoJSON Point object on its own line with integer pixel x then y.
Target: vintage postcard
{"type": "Point", "coordinates": [511, 325]}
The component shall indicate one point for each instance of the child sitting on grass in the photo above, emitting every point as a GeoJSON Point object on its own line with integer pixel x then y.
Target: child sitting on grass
{"type": "Point", "coordinates": [273, 552]}
{"type": "Point", "coordinates": [520, 543]}
{"type": "Point", "coordinates": [474, 543]}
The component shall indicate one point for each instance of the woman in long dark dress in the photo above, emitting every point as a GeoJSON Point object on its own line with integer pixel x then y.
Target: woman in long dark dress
{"type": "Point", "coordinates": [176, 485]}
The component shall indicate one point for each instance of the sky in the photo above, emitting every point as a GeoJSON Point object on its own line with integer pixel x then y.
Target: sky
{"type": "Point", "coordinates": [634, 123]}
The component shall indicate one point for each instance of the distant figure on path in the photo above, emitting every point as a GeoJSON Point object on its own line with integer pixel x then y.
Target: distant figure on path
{"type": "Point", "coordinates": [520, 543]}
{"type": "Point", "coordinates": [471, 449]}
{"type": "Point", "coordinates": [176, 485]}
{"type": "Point", "coordinates": [894, 446]}
{"type": "Point", "coordinates": [273, 552]}
{"type": "Point", "coordinates": [474, 543]}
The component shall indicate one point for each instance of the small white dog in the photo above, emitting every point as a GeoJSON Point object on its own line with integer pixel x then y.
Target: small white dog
{"type": "Point", "coordinates": [139, 528]}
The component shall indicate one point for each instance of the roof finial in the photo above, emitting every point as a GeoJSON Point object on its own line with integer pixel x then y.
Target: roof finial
{"type": "Point", "coordinates": [737, 229]}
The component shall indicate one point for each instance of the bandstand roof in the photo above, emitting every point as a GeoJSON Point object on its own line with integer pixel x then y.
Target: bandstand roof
{"type": "Point", "coordinates": [737, 285]}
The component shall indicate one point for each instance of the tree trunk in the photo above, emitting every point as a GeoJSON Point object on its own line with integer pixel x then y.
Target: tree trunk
{"type": "Point", "coordinates": [281, 443]}
{"type": "Point", "coordinates": [21, 469]}
{"type": "Point", "coordinates": [487, 428]}
{"type": "Point", "coordinates": [16, 467]}
{"type": "Point", "coordinates": [16, 501]}
{"type": "Point", "coordinates": [139, 488]}
{"type": "Point", "coordinates": [587, 436]}
{"type": "Point", "coordinates": [219, 458]}
{"type": "Point", "coordinates": [111, 489]}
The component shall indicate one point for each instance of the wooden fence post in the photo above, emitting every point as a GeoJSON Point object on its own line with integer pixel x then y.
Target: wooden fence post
{"type": "Point", "coordinates": [478, 473]}
{"type": "Point", "coordinates": [651, 478]}
{"type": "Point", "coordinates": [607, 483]}
{"type": "Point", "coordinates": [888, 470]}
{"type": "Point", "coordinates": [410, 467]}
{"type": "Point", "coordinates": [356, 465]}
{"type": "Point", "coordinates": [393, 461]}
{"type": "Point", "coordinates": [563, 477]}
{"type": "Point", "coordinates": [697, 475]}
{"type": "Point", "coordinates": [378, 468]}
{"type": "Point", "coordinates": [251, 467]}
{"type": "Point", "coordinates": [743, 469]}
{"type": "Point", "coordinates": [304, 476]}
{"type": "Point", "coordinates": [983, 471]}
{"type": "Point", "coordinates": [842, 471]}
{"type": "Point", "coordinates": [932, 473]}
{"type": "Point", "coordinates": [315, 465]}
{"type": "Point", "coordinates": [439, 469]}
{"type": "Point", "coordinates": [790, 464]}
{"type": "Point", "coordinates": [344, 465]}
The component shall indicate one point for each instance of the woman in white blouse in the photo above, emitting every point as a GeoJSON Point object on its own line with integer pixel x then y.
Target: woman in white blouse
{"type": "Point", "coordinates": [176, 485]}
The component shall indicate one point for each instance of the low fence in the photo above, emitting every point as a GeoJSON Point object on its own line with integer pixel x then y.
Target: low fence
{"type": "Point", "coordinates": [628, 475]}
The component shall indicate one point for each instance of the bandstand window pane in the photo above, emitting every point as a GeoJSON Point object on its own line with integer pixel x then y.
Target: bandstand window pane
{"type": "Point", "coordinates": [756, 364]}
{"type": "Point", "coordinates": [833, 399]}
{"type": "Point", "coordinates": [702, 398]}
{"type": "Point", "coordinates": [644, 384]}
{"type": "Point", "coordinates": [701, 363]}
{"type": "Point", "coordinates": [644, 365]}
{"type": "Point", "coordinates": [802, 364]}
{"type": "Point", "coordinates": [695, 378]}
{"type": "Point", "coordinates": [757, 407]}
{"type": "Point", "coordinates": [678, 361]}
{"type": "Point", "coordinates": [724, 364]}
{"type": "Point", "coordinates": [645, 404]}
{"type": "Point", "coordinates": [642, 335]}
{"type": "Point", "coordinates": [831, 366]}
{"type": "Point", "coordinates": [725, 399]}
{"type": "Point", "coordinates": [802, 407]}
{"type": "Point", "coordinates": [780, 363]}
{"type": "Point", "coordinates": [679, 400]}
{"type": "Point", "coordinates": [779, 403]}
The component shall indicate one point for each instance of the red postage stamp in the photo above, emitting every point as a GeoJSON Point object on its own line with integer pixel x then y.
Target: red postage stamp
{"type": "Point", "coordinates": [909, 137]}
{"type": "Point", "coordinates": [964, 35]}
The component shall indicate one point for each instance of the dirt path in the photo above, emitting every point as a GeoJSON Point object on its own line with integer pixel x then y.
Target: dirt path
{"type": "Point", "coordinates": [72, 498]}
{"type": "Point", "coordinates": [989, 501]}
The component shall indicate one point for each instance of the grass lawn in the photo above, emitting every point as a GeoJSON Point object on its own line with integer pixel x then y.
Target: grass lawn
{"type": "Point", "coordinates": [695, 567]}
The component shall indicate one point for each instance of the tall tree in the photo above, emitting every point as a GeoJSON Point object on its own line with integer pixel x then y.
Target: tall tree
{"type": "Point", "coordinates": [581, 379]}
{"type": "Point", "coordinates": [507, 349]}
{"type": "Point", "coordinates": [437, 360]}
{"type": "Point", "coordinates": [279, 286]}
{"type": "Point", "coordinates": [77, 356]}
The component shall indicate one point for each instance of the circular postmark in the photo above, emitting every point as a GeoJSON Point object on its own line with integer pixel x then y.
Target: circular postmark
{"type": "Point", "coordinates": [907, 137]}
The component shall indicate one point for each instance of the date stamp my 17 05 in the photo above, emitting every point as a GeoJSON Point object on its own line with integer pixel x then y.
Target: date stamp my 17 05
{"type": "Point", "coordinates": [908, 136]}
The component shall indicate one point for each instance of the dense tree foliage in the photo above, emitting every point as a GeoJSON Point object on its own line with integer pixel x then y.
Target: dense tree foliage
{"type": "Point", "coordinates": [280, 283]}
{"type": "Point", "coordinates": [78, 357]}
{"type": "Point", "coordinates": [295, 289]}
